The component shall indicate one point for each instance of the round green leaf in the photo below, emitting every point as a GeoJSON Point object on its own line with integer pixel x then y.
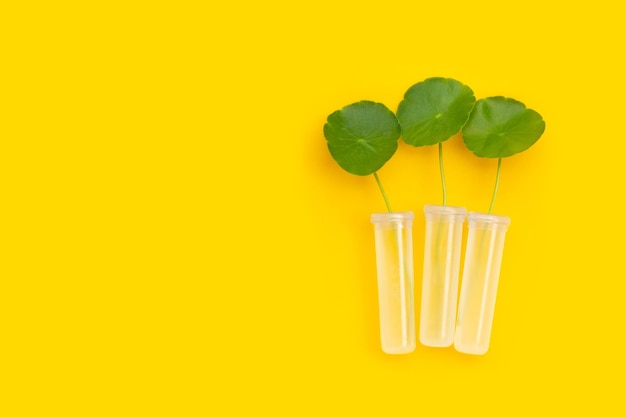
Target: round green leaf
{"type": "Point", "coordinates": [434, 110]}
{"type": "Point", "coordinates": [499, 127]}
{"type": "Point", "coordinates": [362, 136]}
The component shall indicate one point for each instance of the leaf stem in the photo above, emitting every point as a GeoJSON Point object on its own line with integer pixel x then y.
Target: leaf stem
{"type": "Point", "coordinates": [443, 176]}
{"type": "Point", "coordinates": [495, 189]}
{"type": "Point", "coordinates": [382, 190]}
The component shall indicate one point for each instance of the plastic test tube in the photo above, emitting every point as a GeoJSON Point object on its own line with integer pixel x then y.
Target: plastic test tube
{"type": "Point", "coordinates": [394, 264]}
{"type": "Point", "coordinates": [479, 286]}
{"type": "Point", "coordinates": [440, 282]}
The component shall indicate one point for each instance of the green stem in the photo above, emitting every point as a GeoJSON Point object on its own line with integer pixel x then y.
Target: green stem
{"type": "Point", "coordinates": [495, 189]}
{"type": "Point", "coordinates": [443, 176]}
{"type": "Point", "coordinates": [382, 190]}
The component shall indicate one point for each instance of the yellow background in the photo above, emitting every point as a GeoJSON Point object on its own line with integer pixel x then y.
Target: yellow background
{"type": "Point", "coordinates": [176, 240]}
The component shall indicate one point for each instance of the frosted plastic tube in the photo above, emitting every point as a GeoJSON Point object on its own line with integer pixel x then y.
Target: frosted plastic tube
{"type": "Point", "coordinates": [440, 282]}
{"type": "Point", "coordinates": [394, 265]}
{"type": "Point", "coordinates": [479, 286]}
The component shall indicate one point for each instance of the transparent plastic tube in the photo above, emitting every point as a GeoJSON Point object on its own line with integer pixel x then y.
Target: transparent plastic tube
{"type": "Point", "coordinates": [394, 264]}
{"type": "Point", "coordinates": [479, 286]}
{"type": "Point", "coordinates": [440, 282]}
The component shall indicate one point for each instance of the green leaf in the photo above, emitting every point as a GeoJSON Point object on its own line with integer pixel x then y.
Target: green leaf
{"type": "Point", "coordinates": [499, 127]}
{"type": "Point", "coordinates": [434, 110]}
{"type": "Point", "coordinates": [362, 136]}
